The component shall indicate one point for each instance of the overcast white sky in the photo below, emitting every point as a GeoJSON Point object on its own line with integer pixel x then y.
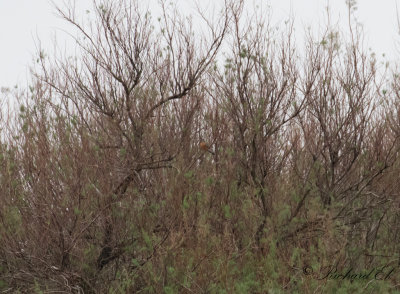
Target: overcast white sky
{"type": "Point", "coordinates": [23, 22]}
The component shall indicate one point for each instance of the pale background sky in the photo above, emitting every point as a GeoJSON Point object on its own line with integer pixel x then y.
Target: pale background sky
{"type": "Point", "coordinates": [23, 22]}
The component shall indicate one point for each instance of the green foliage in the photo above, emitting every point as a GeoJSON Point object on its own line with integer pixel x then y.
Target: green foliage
{"type": "Point", "coordinates": [103, 191]}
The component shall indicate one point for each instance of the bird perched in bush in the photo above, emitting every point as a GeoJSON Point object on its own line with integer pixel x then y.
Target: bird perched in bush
{"type": "Point", "coordinates": [203, 146]}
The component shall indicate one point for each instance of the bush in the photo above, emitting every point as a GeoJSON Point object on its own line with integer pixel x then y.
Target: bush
{"type": "Point", "coordinates": [104, 188]}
